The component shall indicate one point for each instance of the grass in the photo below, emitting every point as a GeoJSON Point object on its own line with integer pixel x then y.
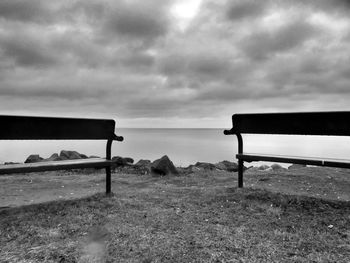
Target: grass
{"type": "Point", "coordinates": [194, 218]}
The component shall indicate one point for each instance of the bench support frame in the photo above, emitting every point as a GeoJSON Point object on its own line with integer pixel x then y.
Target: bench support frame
{"type": "Point", "coordinates": [292, 123]}
{"type": "Point", "coordinates": [54, 128]}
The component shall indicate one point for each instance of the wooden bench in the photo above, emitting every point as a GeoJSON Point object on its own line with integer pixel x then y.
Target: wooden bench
{"type": "Point", "coordinates": [47, 128]}
{"type": "Point", "coordinates": [304, 123]}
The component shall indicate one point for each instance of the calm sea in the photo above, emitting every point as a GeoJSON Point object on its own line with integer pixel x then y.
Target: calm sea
{"type": "Point", "coordinates": [183, 146]}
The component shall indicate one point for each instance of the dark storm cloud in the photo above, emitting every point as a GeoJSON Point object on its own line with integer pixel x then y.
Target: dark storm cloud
{"type": "Point", "coordinates": [211, 65]}
{"type": "Point", "coordinates": [26, 11]}
{"type": "Point", "coordinates": [139, 61]}
{"type": "Point", "coordinates": [136, 23]}
{"type": "Point", "coordinates": [238, 10]}
{"type": "Point", "coordinates": [345, 72]}
{"type": "Point", "coordinates": [338, 6]}
{"type": "Point", "coordinates": [42, 92]}
{"type": "Point", "coordinates": [313, 65]}
{"type": "Point", "coordinates": [45, 12]}
{"type": "Point", "coordinates": [140, 20]}
{"type": "Point", "coordinates": [202, 65]}
{"type": "Point", "coordinates": [90, 10]}
{"type": "Point", "coordinates": [172, 64]}
{"type": "Point", "coordinates": [37, 84]}
{"type": "Point", "coordinates": [100, 88]}
{"type": "Point", "coordinates": [26, 51]}
{"type": "Point", "coordinates": [260, 45]}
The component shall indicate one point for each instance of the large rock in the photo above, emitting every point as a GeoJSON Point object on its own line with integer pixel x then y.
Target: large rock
{"type": "Point", "coordinates": [129, 160]}
{"type": "Point", "coordinates": [71, 155]}
{"type": "Point", "coordinates": [163, 166]}
{"type": "Point", "coordinates": [227, 166]}
{"type": "Point", "coordinates": [9, 163]}
{"type": "Point", "coordinates": [83, 156]}
{"type": "Point", "coordinates": [143, 163]}
{"type": "Point", "coordinates": [120, 161]}
{"type": "Point", "coordinates": [224, 166]}
{"type": "Point", "coordinates": [33, 158]}
{"type": "Point", "coordinates": [54, 157]}
{"type": "Point", "coordinates": [143, 167]}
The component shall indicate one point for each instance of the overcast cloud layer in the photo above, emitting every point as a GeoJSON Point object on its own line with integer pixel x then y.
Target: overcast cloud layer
{"type": "Point", "coordinates": [139, 62]}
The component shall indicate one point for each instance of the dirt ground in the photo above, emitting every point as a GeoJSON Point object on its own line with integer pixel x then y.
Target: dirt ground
{"type": "Point", "coordinates": [320, 182]}
{"type": "Point", "coordinates": [25, 189]}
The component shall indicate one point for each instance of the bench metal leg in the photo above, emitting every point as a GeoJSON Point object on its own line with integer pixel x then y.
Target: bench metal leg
{"type": "Point", "coordinates": [240, 173]}
{"type": "Point", "coordinates": [108, 180]}
{"type": "Point", "coordinates": [240, 162]}
{"type": "Point", "coordinates": [108, 169]}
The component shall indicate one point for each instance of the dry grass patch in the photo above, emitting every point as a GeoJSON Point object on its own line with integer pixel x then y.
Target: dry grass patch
{"type": "Point", "coordinates": [195, 218]}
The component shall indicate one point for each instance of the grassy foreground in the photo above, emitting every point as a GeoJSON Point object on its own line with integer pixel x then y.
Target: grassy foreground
{"type": "Point", "coordinates": [193, 218]}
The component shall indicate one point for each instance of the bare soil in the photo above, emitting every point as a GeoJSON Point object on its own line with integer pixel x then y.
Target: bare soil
{"type": "Point", "coordinates": [320, 182]}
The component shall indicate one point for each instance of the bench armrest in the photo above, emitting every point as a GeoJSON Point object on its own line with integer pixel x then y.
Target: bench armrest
{"type": "Point", "coordinates": [118, 138]}
{"type": "Point", "coordinates": [228, 132]}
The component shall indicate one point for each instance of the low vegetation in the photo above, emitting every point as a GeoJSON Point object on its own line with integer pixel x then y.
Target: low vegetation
{"type": "Point", "coordinates": [200, 217]}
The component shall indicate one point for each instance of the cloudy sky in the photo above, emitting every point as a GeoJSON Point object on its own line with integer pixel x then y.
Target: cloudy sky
{"type": "Point", "coordinates": [162, 63]}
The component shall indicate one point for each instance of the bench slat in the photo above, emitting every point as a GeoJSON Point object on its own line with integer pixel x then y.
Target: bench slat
{"type": "Point", "coordinates": [342, 163]}
{"type": "Point", "coordinates": [54, 165]}
{"type": "Point", "coordinates": [294, 123]}
{"type": "Point", "coordinates": [47, 128]}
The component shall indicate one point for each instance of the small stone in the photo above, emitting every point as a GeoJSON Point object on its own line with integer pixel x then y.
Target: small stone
{"type": "Point", "coordinates": [263, 167]}
{"type": "Point", "coordinates": [227, 166]}
{"type": "Point", "coordinates": [276, 167]}
{"type": "Point", "coordinates": [205, 166]}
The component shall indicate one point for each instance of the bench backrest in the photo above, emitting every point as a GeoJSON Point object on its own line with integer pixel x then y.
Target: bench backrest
{"type": "Point", "coordinates": [303, 123]}
{"type": "Point", "coordinates": [47, 128]}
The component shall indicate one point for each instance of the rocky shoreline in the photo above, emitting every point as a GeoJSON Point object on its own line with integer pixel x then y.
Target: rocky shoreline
{"type": "Point", "coordinates": [159, 167]}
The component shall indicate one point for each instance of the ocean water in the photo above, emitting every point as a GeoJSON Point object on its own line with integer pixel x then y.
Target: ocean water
{"type": "Point", "coordinates": [183, 146]}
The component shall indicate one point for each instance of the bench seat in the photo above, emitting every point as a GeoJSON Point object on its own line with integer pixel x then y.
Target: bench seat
{"type": "Point", "coordinates": [330, 162]}
{"type": "Point", "coordinates": [55, 165]}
